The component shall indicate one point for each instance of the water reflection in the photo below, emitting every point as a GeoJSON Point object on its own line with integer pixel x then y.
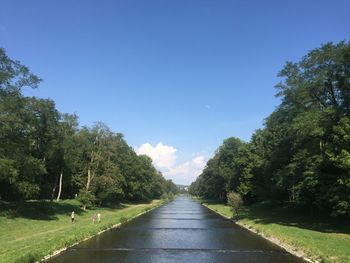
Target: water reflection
{"type": "Point", "coordinates": [181, 231]}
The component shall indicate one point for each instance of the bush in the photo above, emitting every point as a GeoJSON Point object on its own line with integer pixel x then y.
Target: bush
{"type": "Point", "coordinates": [164, 196]}
{"type": "Point", "coordinates": [234, 200]}
{"type": "Point", "coordinates": [171, 196]}
{"type": "Point", "coordinates": [168, 196]}
{"type": "Point", "coordinates": [86, 198]}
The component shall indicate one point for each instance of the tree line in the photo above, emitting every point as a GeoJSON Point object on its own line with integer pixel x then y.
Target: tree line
{"type": "Point", "coordinates": [302, 154]}
{"type": "Point", "coordinates": [45, 154]}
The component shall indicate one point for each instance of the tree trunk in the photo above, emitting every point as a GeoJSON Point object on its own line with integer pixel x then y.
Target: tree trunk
{"type": "Point", "coordinates": [89, 172]}
{"type": "Point", "coordinates": [54, 189]}
{"type": "Point", "coordinates": [88, 179]}
{"type": "Point", "coordinates": [60, 187]}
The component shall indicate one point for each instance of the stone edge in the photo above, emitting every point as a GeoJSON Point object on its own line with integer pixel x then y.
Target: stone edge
{"type": "Point", "coordinates": [59, 251]}
{"type": "Point", "coordinates": [290, 249]}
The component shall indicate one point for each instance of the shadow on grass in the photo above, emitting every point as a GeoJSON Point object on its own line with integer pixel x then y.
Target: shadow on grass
{"type": "Point", "coordinates": [289, 215]}
{"type": "Point", "coordinates": [39, 210]}
{"type": "Point", "coordinates": [46, 210]}
{"type": "Point", "coordinates": [109, 206]}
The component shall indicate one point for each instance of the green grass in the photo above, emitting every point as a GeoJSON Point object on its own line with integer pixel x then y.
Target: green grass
{"type": "Point", "coordinates": [323, 239]}
{"type": "Point", "coordinates": [32, 230]}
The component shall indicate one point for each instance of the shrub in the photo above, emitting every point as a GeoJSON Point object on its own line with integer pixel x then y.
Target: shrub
{"type": "Point", "coordinates": [171, 196]}
{"type": "Point", "coordinates": [86, 198]}
{"type": "Point", "coordinates": [234, 200]}
{"type": "Point", "coordinates": [164, 196]}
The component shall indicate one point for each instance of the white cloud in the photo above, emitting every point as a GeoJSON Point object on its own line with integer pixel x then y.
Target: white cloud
{"type": "Point", "coordinates": [164, 158]}
{"type": "Point", "coordinates": [199, 161]}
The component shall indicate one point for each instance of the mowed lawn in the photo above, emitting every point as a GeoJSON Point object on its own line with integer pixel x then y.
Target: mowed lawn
{"type": "Point", "coordinates": [325, 240]}
{"type": "Point", "coordinates": [38, 228]}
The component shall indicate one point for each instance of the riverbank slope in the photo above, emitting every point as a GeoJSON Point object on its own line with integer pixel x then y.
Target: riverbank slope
{"type": "Point", "coordinates": [318, 239]}
{"type": "Point", "coordinates": [38, 228]}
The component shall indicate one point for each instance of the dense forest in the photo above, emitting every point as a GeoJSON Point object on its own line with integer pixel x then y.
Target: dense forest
{"type": "Point", "coordinates": [45, 154]}
{"type": "Point", "coordinates": [302, 154]}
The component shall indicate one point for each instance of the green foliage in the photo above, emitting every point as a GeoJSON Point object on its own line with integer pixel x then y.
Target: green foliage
{"type": "Point", "coordinates": [14, 76]}
{"type": "Point", "coordinates": [302, 155]}
{"type": "Point", "coordinates": [219, 175]}
{"type": "Point", "coordinates": [86, 198]}
{"type": "Point", "coordinates": [164, 196]}
{"type": "Point", "coordinates": [40, 146]}
{"type": "Point", "coordinates": [168, 196]}
{"type": "Point", "coordinates": [234, 200]}
{"type": "Point", "coordinates": [171, 196]}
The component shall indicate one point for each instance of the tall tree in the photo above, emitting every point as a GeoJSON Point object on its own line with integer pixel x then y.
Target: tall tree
{"type": "Point", "coordinates": [19, 169]}
{"type": "Point", "coordinates": [302, 153]}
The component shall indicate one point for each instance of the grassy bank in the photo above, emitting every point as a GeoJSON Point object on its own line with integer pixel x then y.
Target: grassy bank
{"type": "Point", "coordinates": [320, 239]}
{"type": "Point", "coordinates": [35, 229]}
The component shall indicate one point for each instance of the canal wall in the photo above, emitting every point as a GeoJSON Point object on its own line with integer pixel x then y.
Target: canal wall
{"type": "Point", "coordinates": [290, 249]}
{"type": "Point", "coordinates": [59, 251]}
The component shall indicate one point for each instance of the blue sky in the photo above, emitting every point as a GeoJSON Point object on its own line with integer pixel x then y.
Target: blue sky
{"type": "Point", "coordinates": [187, 74]}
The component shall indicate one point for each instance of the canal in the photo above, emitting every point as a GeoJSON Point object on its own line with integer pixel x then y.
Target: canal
{"type": "Point", "coordinates": [180, 231]}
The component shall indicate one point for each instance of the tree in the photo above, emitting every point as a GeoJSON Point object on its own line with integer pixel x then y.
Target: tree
{"type": "Point", "coordinates": [302, 153]}
{"type": "Point", "coordinates": [221, 174]}
{"type": "Point", "coordinates": [64, 154]}
{"type": "Point", "coordinates": [44, 153]}
{"type": "Point", "coordinates": [234, 200]}
{"type": "Point", "coordinates": [315, 95]}
{"type": "Point", "coordinates": [20, 169]}
{"type": "Point", "coordinates": [14, 76]}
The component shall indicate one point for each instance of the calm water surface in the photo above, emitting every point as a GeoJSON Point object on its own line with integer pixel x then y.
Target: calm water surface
{"type": "Point", "coordinates": [181, 231]}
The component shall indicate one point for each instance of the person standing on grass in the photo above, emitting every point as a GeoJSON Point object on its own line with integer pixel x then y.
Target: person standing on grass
{"type": "Point", "coordinates": [99, 217]}
{"type": "Point", "coordinates": [72, 216]}
{"type": "Point", "coordinates": [94, 218]}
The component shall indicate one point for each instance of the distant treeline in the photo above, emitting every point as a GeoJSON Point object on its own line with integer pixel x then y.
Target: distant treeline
{"type": "Point", "coordinates": [45, 154]}
{"type": "Point", "coordinates": [302, 154]}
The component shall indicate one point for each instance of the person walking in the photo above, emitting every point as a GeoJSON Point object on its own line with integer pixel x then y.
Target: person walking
{"type": "Point", "coordinates": [72, 216]}
{"type": "Point", "coordinates": [99, 217]}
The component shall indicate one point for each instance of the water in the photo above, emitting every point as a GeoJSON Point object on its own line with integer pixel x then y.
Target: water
{"type": "Point", "coordinates": [181, 231]}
